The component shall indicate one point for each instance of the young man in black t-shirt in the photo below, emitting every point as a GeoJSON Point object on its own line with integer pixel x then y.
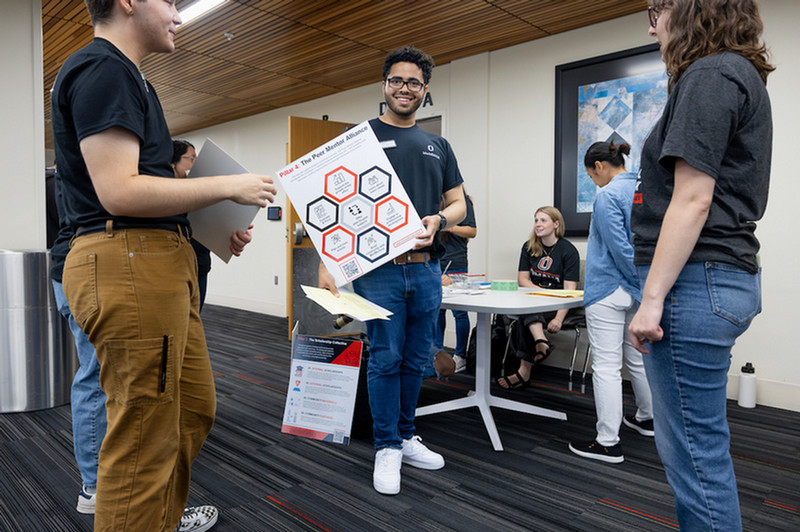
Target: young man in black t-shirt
{"type": "Point", "coordinates": [130, 276]}
{"type": "Point", "coordinates": [410, 286]}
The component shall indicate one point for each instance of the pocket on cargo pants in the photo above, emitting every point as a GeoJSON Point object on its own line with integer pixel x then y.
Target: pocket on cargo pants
{"type": "Point", "coordinates": [142, 371]}
{"type": "Point", "coordinates": [80, 286]}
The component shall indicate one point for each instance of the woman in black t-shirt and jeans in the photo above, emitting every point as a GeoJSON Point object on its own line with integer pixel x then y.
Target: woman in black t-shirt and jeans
{"type": "Point", "coordinates": [547, 260]}
{"type": "Point", "coordinates": [703, 183]}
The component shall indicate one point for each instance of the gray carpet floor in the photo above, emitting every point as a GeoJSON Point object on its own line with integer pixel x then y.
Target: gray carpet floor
{"type": "Point", "coordinates": [262, 479]}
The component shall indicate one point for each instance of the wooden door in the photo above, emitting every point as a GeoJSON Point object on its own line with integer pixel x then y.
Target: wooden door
{"type": "Point", "coordinates": [302, 259]}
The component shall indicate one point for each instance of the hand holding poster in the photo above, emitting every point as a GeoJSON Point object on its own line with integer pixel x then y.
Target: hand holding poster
{"type": "Point", "coordinates": [352, 204]}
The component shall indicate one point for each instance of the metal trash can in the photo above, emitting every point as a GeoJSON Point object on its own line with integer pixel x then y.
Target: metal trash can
{"type": "Point", "coordinates": [37, 352]}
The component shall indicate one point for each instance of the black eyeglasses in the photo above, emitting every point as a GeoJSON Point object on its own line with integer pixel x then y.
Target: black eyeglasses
{"type": "Point", "coordinates": [414, 85]}
{"type": "Point", "coordinates": [653, 13]}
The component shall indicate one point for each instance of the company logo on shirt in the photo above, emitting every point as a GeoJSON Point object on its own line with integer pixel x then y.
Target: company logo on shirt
{"type": "Point", "coordinates": [430, 151]}
{"type": "Point", "coordinates": [637, 196]}
{"type": "Point", "coordinates": [545, 263]}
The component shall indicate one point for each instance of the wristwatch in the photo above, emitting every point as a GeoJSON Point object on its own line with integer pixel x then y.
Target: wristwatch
{"type": "Point", "coordinates": [442, 222]}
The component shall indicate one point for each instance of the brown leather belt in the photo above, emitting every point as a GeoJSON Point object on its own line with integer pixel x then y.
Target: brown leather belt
{"type": "Point", "coordinates": [412, 258]}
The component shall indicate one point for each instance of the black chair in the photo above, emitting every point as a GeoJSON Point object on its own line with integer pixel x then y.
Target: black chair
{"type": "Point", "coordinates": [576, 322]}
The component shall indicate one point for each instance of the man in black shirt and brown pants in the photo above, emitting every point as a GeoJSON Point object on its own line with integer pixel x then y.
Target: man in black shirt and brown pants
{"type": "Point", "coordinates": [130, 277]}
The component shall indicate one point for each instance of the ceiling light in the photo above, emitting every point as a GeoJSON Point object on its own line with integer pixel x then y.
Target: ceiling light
{"type": "Point", "coordinates": [198, 9]}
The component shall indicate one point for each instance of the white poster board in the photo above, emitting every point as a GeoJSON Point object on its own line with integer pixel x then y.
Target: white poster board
{"type": "Point", "coordinates": [352, 204]}
{"type": "Point", "coordinates": [323, 380]}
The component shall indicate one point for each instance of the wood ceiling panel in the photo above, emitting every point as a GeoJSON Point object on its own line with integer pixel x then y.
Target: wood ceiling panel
{"type": "Point", "coordinates": [284, 52]}
{"type": "Point", "coordinates": [556, 17]}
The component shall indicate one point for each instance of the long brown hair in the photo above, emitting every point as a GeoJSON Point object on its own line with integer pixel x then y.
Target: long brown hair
{"type": "Point", "coordinates": [701, 28]}
{"type": "Point", "coordinates": [535, 245]}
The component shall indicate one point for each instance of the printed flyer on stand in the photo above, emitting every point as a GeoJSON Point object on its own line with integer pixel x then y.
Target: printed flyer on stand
{"type": "Point", "coordinates": [352, 204]}
{"type": "Point", "coordinates": [323, 380]}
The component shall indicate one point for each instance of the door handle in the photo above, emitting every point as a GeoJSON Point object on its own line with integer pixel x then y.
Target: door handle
{"type": "Point", "coordinates": [299, 233]}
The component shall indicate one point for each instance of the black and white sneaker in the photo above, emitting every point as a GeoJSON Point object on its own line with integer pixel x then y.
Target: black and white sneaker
{"type": "Point", "coordinates": [645, 428]}
{"type": "Point", "coordinates": [198, 519]}
{"type": "Point", "coordinates": [595, 451]}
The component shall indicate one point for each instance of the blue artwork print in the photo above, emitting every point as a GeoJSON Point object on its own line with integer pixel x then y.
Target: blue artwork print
{"type": "Point", "coordinates": [619, 110]}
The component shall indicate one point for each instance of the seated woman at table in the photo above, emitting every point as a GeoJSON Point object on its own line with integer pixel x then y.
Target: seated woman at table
{"type": "Point", "coordinates": [547, 260]}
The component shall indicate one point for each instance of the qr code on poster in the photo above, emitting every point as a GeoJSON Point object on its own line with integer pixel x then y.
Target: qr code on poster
{"type": "Point", "coordinates": [338, 436]}
{"type": "Point", "coordinates": [351, 269]}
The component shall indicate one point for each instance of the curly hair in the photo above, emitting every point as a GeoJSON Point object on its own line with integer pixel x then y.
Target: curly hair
{"type": "Point", "coordinates": [535, 245]}
{"type": "Point", "coordinates": [699, 28]}
{"type": "Point", "coordinates": [409, 54]}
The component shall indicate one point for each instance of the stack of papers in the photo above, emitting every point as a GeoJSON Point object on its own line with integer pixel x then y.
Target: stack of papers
{"type": "Point", "coordinates": [347, 303]}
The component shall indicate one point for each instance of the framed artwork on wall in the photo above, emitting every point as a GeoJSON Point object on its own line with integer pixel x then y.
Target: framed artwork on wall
{"type": "Point", "coordinates": [617, 97]}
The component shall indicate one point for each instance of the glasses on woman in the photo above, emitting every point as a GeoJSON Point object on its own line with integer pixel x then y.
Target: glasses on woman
{"type": "Point", "coordinates": [653, 13]}
{"type": "Point", "coordinates": [413, 85]}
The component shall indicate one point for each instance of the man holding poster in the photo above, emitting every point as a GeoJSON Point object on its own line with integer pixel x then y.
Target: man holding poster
{"type": "Point", "coordinates": [410, 285]}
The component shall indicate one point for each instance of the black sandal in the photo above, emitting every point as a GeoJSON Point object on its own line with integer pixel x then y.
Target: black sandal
{"type": "Point", "coordinates": [543, 354]}
{"type": "Point", "coordinates": [519, 385]}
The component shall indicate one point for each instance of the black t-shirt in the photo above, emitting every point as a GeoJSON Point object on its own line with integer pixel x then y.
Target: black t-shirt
{"type": "Point", "coordinates": [550, 269]}
{"type": "Point", "coordinates": [425, 164]}
{"type": "Point", "coordinates": [203, 257]}
{"type": "Point", "coordinates": [455, 247]}
{"type": "Point", "coordinates": [718, 119]}
{"type": "Point", "coordinates": [96, 89]}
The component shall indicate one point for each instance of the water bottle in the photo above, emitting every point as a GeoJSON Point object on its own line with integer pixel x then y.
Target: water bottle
{"type": "Point", "coordinates": [747, 386]}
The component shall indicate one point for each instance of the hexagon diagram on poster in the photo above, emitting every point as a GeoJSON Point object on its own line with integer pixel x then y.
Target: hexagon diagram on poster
{"type": "Point", "coordinates": [352, 204]}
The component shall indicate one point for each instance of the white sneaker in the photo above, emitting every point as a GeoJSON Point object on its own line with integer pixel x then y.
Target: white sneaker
{"type": "Point", "coordinates": [417, 455]}
{"type": "Point", "coordinates": [461, 363]}
{"type": "Point", "coordinates": [86, 501]}
{"type": "Point", "coordinates": [198, 519]}
{"type": "Point", "coordinates": [386, 475]}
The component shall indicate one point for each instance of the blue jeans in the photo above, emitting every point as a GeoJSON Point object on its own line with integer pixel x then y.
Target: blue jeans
{"type": "Point", "coordinates": [399, 348]}
{"type": "Point", "coordinates": [87, 399]}
{"type": "Point", "coordinates": [708, 307]}
{"type": "Point", "coordinates": [462, 331]}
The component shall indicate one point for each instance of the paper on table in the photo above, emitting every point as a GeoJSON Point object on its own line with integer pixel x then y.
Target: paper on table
{"type": "Point", "coordinates": [347, 303]}
{"type": "Point", "coordinates": [213, 226]}
{"type": "Point", "coordinates": [557, 293]}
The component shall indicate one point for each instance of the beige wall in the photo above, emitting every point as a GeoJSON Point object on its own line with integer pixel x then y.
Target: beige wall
{"type": "Point", "coordinates": [22, 204]}
{"type": "Point", "coordinates": [498, 112]}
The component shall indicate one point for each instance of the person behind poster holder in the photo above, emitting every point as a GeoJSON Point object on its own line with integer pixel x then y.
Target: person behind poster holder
{"type": "Point", "coordinates": [456, 262]}
{"type": "Point", "coordinates": [410, 286]}
{"type": "Point", "coordinates": [703, 183]}
{"type": "Point", "coordinates": [130, 276]}
{"type": "Point", "coordinates": [183, 157]}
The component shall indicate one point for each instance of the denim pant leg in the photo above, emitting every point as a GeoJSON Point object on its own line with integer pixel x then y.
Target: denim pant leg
{"type": "Point", "coordinates": [709, 306]}
{"type": "Point", "coordinates": [440, 326]}
{"type": "Point", "coordinates": [88, 401]}
{"type": "Point", "coordinates": [399, 347]}
{"type": "Point", "coordinates": [437, 345]}
{"type": "Point", "coordinates": [424, 300]}
{"type": "Point", "coordinates": [462, 332]}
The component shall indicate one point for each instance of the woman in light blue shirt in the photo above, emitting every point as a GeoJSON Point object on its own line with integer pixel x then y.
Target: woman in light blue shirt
{"type": "Point", "coordinates": [611, 293]}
